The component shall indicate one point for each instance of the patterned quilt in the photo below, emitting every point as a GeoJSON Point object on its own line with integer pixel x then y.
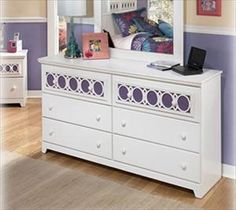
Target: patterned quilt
{"type": "Point", "coordinates": [144, 42]}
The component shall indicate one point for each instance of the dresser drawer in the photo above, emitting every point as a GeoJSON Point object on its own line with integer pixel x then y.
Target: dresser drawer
{"type": "Point", "coordinates": [157, 129]}
{"type": "Point", "coordinates": [168, 99]}
{"type": "Point", "coordinates": [78, 138]}
{"type": "Point", "coordinates": [162, 159]}
{"type": "Point", "coordinates": [78, 112]}
{"type": "Point", "coordinates": [77, 83]}
{"type": "Point", "coordinates": [11, 67]}
{"type": "Point", "coordinates": [11, 88]}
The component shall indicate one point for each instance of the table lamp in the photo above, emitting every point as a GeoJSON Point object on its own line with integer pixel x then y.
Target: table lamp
{"type": "Point", "coordinates": [72, 8]}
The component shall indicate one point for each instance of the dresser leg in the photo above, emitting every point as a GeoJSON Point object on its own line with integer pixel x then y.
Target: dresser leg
{"type": "Point", "coordinates": [22, 103]}
{"type": "Point", "coordinates": [199, 193]}
{"type": "Point", "coordinates": [44, 149]}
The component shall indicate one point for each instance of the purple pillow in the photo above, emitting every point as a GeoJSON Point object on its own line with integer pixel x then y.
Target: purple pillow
{"type": "Point", "coordinates": [147, 25]}
{"type": "Point", "coordinates": [125, 21]}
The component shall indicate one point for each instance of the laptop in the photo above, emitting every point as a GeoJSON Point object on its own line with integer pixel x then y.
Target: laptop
{"type": "Point", "coordinates": [195, 63]}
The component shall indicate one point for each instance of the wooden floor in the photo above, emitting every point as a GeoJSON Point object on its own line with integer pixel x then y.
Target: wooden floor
{"type": "Point", "coordinates": [21, 133]}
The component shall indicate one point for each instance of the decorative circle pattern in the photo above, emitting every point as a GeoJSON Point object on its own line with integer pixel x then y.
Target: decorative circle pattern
{"type": "Point", "coordinates": [157, 99]}
{"type": "Point", "coordinates": [74, 84]}
{"type": "Point", "coordinates": [9, 68]}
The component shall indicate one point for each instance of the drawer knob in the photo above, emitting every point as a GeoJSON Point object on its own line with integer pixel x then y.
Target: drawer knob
{"type": "Point", "coordinates": [129, 94]}
{"type": "Point", "coordinates": [13, 88]}
{"type": "Point", "coordinates": [50, 108]}
{"type": "Point", "coordinates": [98, 118]}
{"type": "Point", "coordinates": [124, 151]}
{"type": "Point", "coordinates": [99, 145]}
{"type": "Point", "coordinates": [184, 137]}
{"type": "Point", "coordinates": [51, 133]}
{"type": "Point", "coordinates": [123, 124]}
{"type": "Point", "coordinates": [184, 166]}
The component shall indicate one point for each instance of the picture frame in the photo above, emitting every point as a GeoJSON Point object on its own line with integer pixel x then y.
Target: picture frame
{"type": "Point", "coordinates": [95, 46]}
{"type": "Point", "coordinates": [209, 7]}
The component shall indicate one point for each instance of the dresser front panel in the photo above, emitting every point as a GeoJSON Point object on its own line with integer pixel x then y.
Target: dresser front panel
{"type": "Point", "coordinates": [77, 137]}
{"type": "Point", "coordinates": [162, 159]}
{"type": "Point", "coordinates": [78, 112]}
{"type": "Point", "coordinates": [162, 130]}
{"type": "Point", "coordinates": [11, 88]}
{"type": "Point", "coordinates": [11, 67]}
{"type": "Point", "coordinates": [178, 100]}
{"type": "Point", "coordinates": [77, 83]}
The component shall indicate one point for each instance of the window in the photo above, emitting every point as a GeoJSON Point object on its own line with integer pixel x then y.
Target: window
{"type": "Point", "coordinates": [161, 9]}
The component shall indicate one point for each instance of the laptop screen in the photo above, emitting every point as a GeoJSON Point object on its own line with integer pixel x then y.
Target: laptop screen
{"type": "Point", "coordinates": [196, 58]}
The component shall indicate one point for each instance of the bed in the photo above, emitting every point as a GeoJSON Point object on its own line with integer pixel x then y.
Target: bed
{"type": "Point", "coordinates": [130, 28]}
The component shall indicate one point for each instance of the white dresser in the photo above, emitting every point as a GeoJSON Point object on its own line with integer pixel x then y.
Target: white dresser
{"type": "Point", "coordinates": [122, 114]}
{"type": "Point", "coordinates": [13, 77]}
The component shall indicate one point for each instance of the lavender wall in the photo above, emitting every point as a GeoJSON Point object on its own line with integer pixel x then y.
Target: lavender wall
{"type": "Point", "coordinates": [220, 55]}
{"type": "Point", "coordinates": [34, 36]}
{"type": "Point", "coordinates": [220, 49]}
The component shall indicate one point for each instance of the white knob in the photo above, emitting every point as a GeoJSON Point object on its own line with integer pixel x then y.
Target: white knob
{"type": "Point", "coordinates": [184, 137]}
{"type": "Point", "coordinates": [90, 87]}
{"type": "Point", "coordinates": [98, 145]}
{"type": "Point", "coordinates": [98, 118]}
{"type": "Point", "coordinates": [174, 102]}
{"type": "Point", "coordinates": [51, 133]}
{"type": "Point", "coordinates": [123, 124]}
{"type": "Point", "coordinates": [13, 88]}
{"type": "Point", "coordinates": [54, 81]}
{"type": "Point", "coordinates": [124, 151]}
{"type": "Point", "coordinates": [50, 108]}
{"type": "Point", "coordinates": [184, 166]}
{"type": "Point", "coordinates": [129, 94]}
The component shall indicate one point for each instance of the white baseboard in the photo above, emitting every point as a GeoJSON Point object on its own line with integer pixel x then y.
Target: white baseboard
{"type": "Point", "coordinates": [34, 94]}
{"type": "Point", "coordinates": [229, 171]}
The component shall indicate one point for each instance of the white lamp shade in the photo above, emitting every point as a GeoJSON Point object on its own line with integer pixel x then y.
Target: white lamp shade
{"type": "Point", "coordinates": [72, 7]}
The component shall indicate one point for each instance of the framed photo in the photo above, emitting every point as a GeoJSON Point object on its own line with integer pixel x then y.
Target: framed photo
{"type": "Point", "coordinates": [95, 46]}
{"type": "Point", "coordinates": [209, 7]}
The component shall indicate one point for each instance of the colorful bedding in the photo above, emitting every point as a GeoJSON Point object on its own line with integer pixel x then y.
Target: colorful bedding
{"type": "Point", "coordinates": [145, 42]}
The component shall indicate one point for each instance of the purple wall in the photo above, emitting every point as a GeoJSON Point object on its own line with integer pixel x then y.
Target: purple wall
{"type": "Point", "coordinates": [220, 55]}
{"type": "Point", "coordinates": [34, 37]}
{"type": "Point", "coordinates": [220, 49]}
{"type": "Point", "coordinates": [142, 3]}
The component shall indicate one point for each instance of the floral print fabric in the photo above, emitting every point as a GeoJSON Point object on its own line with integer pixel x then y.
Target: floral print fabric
{"type": "Point", "coordinates": [143, 42]}
{"type": "Point", "coordinates": [125, 21]}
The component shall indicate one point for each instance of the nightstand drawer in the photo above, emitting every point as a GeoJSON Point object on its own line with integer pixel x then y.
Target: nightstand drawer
{"type": "Point", "coordinates": [78, 84]}
{"type": "Point", "coordinates": [77, 138]}
{"type": "Point", "coordinates": [166, 99]}
{"type": "Point", "coordinates": [11, 67]}
{"type": "Point", "coordinates": [162, 159]}
{"type": "Point", "coordinates": [157, 129]}
{"type": "Point", "coordinates": [11, 88]}
{"type": "Point", "coordinates": [78, 112]}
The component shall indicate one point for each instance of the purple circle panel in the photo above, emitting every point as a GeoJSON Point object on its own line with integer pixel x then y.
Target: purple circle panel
{"type": "Point", "coordinates": [167, 100]}
{"type": "Point", "coordinates": [85, 86]}
{"type": "Point", "coordinates": [152, 97]}
{"type": "Point", "coordinates": [50, 79]}
{"type": "Point", "coordinates": [137, 95]}
{"type": "Point", "coordinates": [61, 82]}
{"type": "Point", "coordinates": [73, 84]}
{"type": "Point", "coordinates": [123, 91]}
{"type": "Point", "coordinates": [183, 103]}
{"type": "Point", "coordinates": [98, 88]}
{"type": "Point", "coordinates": [14, 68]}
{"type": "Point", "coordinates": [8, 68]}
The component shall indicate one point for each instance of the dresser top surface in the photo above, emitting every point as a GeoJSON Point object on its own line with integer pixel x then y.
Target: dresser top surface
{"type": "Point", "coordinates": [124, 67]}
{"type": "Point", "coordinates": [6, 54]}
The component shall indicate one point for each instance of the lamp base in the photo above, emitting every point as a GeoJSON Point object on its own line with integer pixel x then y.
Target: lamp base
{"type": "Point", "coordinates": [72, 49]}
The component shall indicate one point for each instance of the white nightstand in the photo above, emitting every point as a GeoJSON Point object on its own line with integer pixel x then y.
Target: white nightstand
{"type": "Point", "coordinates": [13, 77]}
